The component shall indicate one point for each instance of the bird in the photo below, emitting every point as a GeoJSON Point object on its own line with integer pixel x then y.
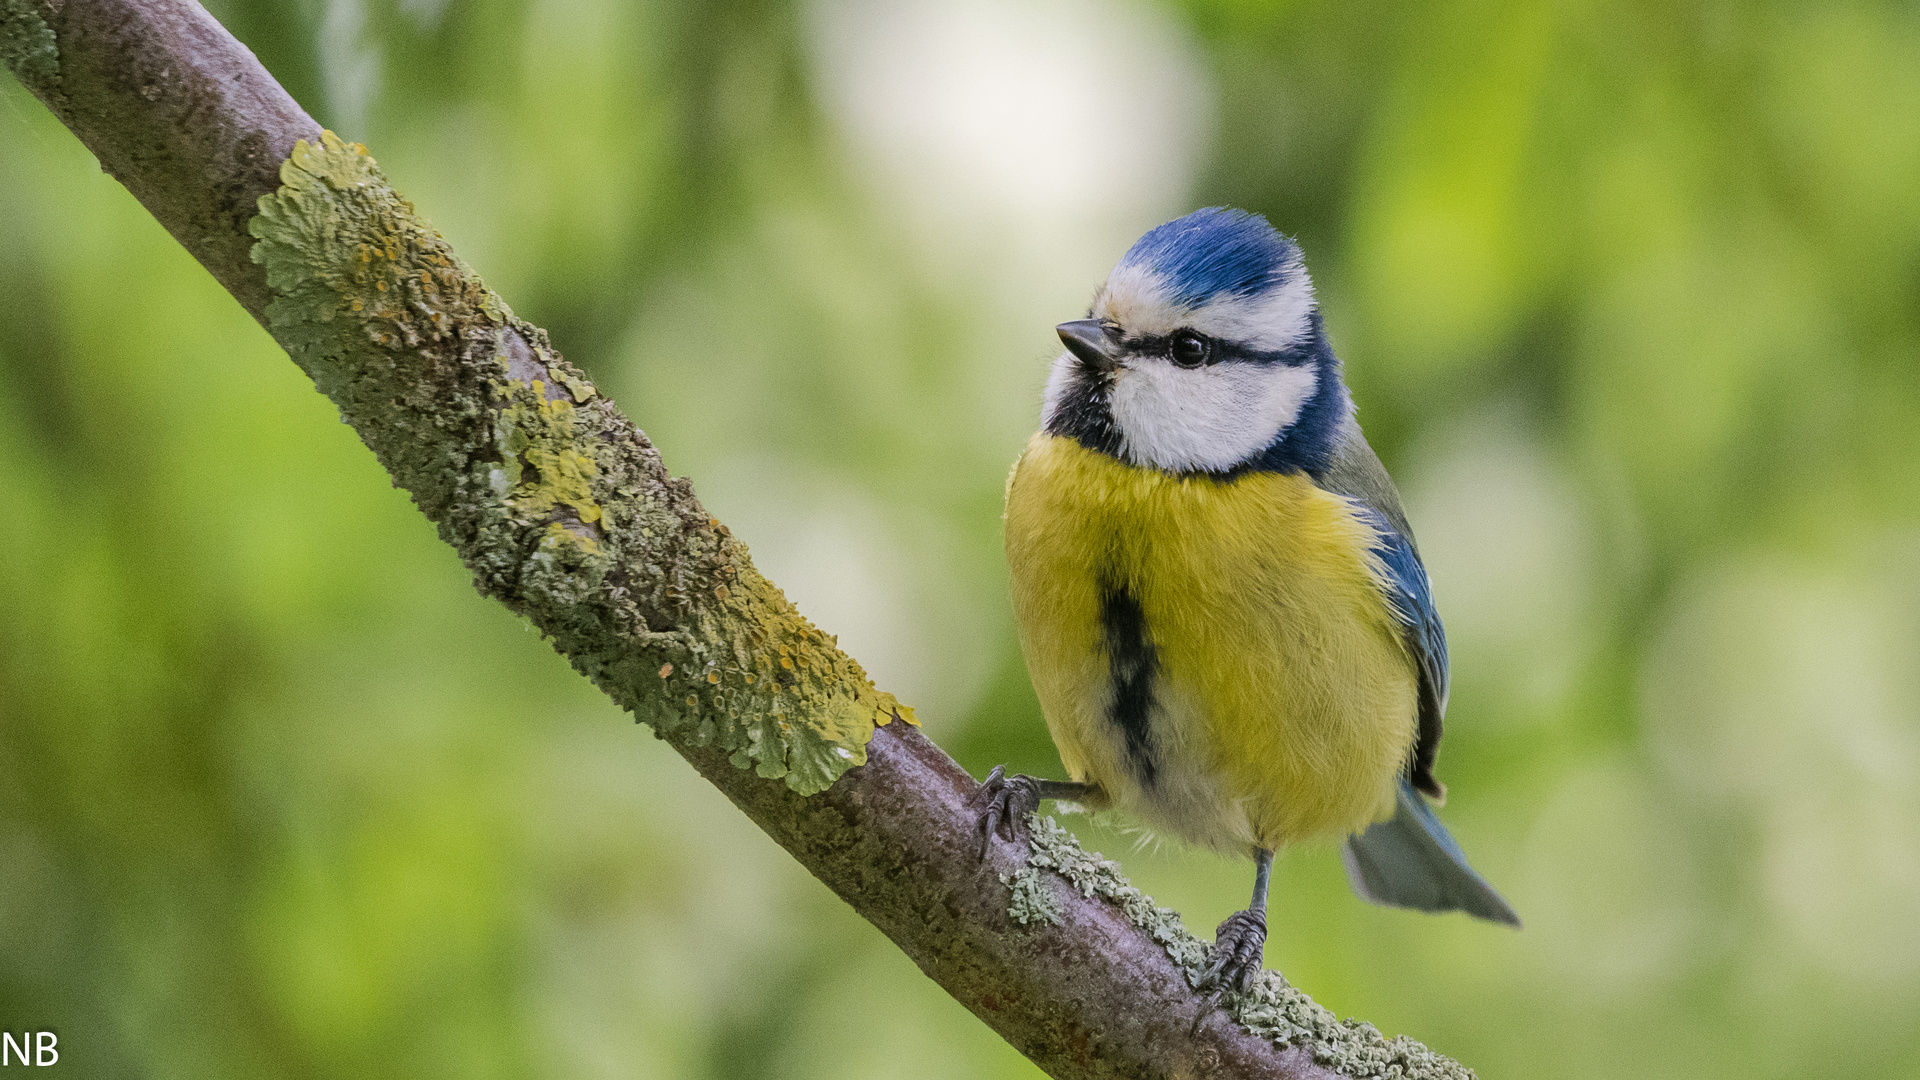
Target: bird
{"type": "Point", "coordinates": [1222, 609]}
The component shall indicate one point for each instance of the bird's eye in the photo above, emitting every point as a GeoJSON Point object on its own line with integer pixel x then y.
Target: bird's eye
{"type": "Point", "coordinates": [1190, 350]}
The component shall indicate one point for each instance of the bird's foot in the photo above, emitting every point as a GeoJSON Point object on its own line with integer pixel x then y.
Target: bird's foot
{"type": "Point", "coordinates": [1008, 799]}
{"type": "Point", "coordinates": [1238, 948]}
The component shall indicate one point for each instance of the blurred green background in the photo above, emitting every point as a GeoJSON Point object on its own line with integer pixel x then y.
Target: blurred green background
{"type": "Point", "coordinates": [1629, 294]}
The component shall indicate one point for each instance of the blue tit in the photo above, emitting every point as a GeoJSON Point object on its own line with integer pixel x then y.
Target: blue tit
{"type": "Point", "coordinates": [1220, 601]}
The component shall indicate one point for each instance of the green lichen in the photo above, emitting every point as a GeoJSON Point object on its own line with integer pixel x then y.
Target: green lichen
{"type": "Point", "coordinates": [27, 44]}
{"type": "Point", "coordinates": [542, 471]}
{"type": "Point", "coordinates": [782, 697]}
{"type": "Point", "coordinates": [1033, 900]}
{"type": "Point", "coordinates": [556, 502]}
{"type": "Point", "coordinates": [1273, 1008]}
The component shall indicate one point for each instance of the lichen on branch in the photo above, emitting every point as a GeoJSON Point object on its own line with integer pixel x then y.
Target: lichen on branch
{"type": "Point", "coordinates": [27, 45]}
{"type": "Point", "coordinates": [557, 503]}
{"type": "Point", "coordinates": [1273, 1008]}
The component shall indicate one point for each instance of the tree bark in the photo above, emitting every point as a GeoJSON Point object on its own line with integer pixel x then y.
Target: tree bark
{"type": "Point", "coordinates": [1095, 985]}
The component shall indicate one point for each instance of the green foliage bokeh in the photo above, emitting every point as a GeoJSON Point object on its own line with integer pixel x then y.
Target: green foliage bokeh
{"type": "Point", "coordinates": [1627, 296]}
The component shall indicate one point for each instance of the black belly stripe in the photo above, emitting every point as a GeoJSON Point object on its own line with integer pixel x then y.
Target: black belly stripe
{"type": "Point", "coordinates": [1131, 666]}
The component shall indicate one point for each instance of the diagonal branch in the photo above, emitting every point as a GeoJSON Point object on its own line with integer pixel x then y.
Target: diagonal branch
{"type": "Point", "coordinates": [561, 508]}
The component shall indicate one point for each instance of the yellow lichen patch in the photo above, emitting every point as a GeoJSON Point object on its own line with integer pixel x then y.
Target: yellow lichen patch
{"type": "Point", "coordinates": [557, 535]}
{"type": "Point", "coordinates": [337, 242]}
{"type": "Point", "coordinates": [581, 389]}
{"type": "Point", "coordinates": [542, 455]}
{"type": "Point", "coordinates": [794, 705]}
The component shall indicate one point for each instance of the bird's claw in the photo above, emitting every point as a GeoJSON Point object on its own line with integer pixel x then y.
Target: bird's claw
{"type": "Point", "coordinates": [1239, 946]}
{"type": "Point", "coordinates": [1009, 799]}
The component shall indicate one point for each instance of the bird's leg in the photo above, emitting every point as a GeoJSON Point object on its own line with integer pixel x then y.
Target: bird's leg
{"type": "Point", "coordinates": [1009, 799]}
{"type": "Point", "coordinates": [1239, 942]}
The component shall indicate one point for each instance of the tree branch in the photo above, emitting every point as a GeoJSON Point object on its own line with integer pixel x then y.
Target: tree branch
{"type": "Point", "coordinates": [562, 509]}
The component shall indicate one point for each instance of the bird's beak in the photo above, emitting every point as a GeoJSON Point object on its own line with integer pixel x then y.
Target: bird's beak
{"type": "Point", "coordinates": [1088, 341]}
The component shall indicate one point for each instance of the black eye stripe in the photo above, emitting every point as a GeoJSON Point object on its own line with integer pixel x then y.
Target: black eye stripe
{"type": "Point", "coordinates": [1161, 345]}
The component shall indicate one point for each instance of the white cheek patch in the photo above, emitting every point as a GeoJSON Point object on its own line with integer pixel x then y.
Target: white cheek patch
{"type": "Point", "coordinates": [1205, 419]}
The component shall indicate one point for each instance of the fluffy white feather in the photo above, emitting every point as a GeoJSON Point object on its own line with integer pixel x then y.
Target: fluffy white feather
{"type": "Point", "coordinates": [1207, 418]}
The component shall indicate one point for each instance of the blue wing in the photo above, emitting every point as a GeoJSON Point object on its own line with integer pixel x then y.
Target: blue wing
{"type": "Point", "coordinates": [1410, 860]}
{"type": "Point", "coordinates": [1412, 601]}
{"type": "Point", "coordinates": [1356, 473]}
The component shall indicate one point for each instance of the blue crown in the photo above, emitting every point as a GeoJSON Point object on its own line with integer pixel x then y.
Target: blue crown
{"type": "Point", "coordinates": [1213, 251]}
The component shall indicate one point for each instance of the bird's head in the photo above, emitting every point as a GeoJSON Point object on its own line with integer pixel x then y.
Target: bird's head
{"type": "Point", "coordinates": [1202, 353]}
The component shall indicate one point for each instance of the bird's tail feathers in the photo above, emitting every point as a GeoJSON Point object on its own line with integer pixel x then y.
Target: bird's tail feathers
{"type": "Point", "coordinates": [1412, 861]}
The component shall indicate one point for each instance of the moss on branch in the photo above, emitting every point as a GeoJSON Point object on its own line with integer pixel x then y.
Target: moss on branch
{"type": "Point", "coordinates": [558, 505]}
{"type": "Point", "coordinates": [27, 45]}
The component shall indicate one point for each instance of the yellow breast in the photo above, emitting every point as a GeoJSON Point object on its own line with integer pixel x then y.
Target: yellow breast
{"type": "Point", "coordinates": [1218, 655]}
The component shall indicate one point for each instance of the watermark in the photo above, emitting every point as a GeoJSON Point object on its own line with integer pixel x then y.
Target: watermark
{"type": "Point", "coordinates": [31, 1048]}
